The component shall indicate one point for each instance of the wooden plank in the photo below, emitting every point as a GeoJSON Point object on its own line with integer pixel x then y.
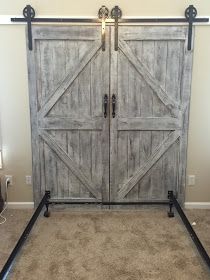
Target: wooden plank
{"type": "Point", "coordinates": [145, 138]}
{"type": "Point", "coordinates": [36, 176]}
{"type": "Point", "coordinates": [97, 159]}
{"type": "Point", "coordinates": [185, 100]}
{"type": "Point", "coordinates": [152, 33]}
{"type": "Point", "coordinates": [103, 142]}
{"type": "Point", "coordinates": [72, 58]}
{"type": "Point", "coordinates": [73, 152]}
{"type": "Point", "coordinates": [83, 33]}
{"type": "Point", "coordinates": [44, 75]}
{"type": "Point", "coordinates": [134, 110]}
{"type": "Point", "coordinates": [133, 161]}
{"type": "Point", "coordinates": [51, 169]}
{"type": "Point", "coordinates": [158, 110]}
{"type": "Point", "coordinates": [113, 121]}
{"type": "Point", "coordinates": [66, 123]}
{"type": "Point", "coordinates": [157, 154]}
{"type": "Point", "coordinates": [52, 71]}
{"type": "Point", "coordinates": [84, 84]}
{"type": "Point", "coordinates": [70, 163]}
{"type": "Point", "coordinates": [85, 159]}
{"type": "Point", "coordinates": [97, 75]}
{"type": "Point", "coordinates": [151, 81]}
{"type": "Point", "coordinates": [150, 123]}
{"type": "Point", "coordinates": [38, 64]}
{"type": "Point", "coordinates": [123, 86]}
{"type": "Point", "coordinates": [123, 111]}
{"type": "Point", "coordinates": [42, 165]}
{"type": "Point", "coordinates": [172, 84]}
{"type": "Point", "coordinates": [62, 170]}
{"type": "Point", "coordinates": [56, 65]}
{"type": "Point", "coordinates": [69, 80]}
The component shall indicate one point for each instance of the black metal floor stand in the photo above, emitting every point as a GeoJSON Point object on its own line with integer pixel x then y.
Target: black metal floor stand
{"type": "Point", "coordinates": [190, 230]}
{"type": "Point", "coordinates": [24, 236]}
{"type": "Point", "coordinates": [172, 202]}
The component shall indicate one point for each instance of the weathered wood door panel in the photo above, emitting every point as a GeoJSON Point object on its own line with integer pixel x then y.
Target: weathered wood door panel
{"type": "Point", "coordinates": [138, 155]}
{"type": "Point", "coordinates": [150, 74]}
{"type": "Point", "coordinates": [68, 78]}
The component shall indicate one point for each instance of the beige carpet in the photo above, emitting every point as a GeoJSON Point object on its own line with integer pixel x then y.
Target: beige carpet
{"type": "Point", "coordinates": [116, 245]}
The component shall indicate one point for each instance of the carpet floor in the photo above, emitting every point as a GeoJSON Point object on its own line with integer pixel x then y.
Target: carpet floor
{"type": "Point", "coordinates": [106, 245]}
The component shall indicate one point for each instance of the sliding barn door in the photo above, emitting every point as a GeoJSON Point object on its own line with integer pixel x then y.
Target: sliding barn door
{"type": "Point", "coordinates": [138, 153]}
{"type": "Point", "coordinates": [68, 78]}
{"type": "Point", "coordinates": [151, 77]}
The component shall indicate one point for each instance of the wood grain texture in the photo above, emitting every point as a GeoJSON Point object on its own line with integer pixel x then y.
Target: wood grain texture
{"type": "Point", "coordinates": [138, 155]}
{"type": "Point", "coordinates": [68, 81]}
{"type": "Point", "coordinates": [149, 112]}
{"type": "Point", "coordinates": [152, 82]}
{"type": "Point", "coordinates": [77, 170]}
{"type": "Point", "coordinates": [152, 33]}
{"type": "Point", "coordinates": [156, 155]}
{"type": "Point", "coordinates": [71, 76]}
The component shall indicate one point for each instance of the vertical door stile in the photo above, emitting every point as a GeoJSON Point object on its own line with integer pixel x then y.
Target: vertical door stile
{"type": "Point", "coordinates": [113, 121]}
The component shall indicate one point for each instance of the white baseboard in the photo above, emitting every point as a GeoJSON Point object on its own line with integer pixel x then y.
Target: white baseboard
{"type": "Point", "coordinates": [20, 205]}
{"type": "Point", "coordinates": [197, 205]}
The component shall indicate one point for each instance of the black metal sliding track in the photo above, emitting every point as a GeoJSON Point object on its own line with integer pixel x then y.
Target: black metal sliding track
{"type": "Point", "coordinates": [116, 18]}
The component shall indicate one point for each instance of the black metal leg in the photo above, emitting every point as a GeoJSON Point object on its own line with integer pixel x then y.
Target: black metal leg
{"type": "Point", "coordinates": [8, 265]}
{"type": "Point", "coordinates": [46, 212]}
{"type": "Point", "coordinates": [192, 233]}
{"type": "Point", "coordinates": [171, 204]}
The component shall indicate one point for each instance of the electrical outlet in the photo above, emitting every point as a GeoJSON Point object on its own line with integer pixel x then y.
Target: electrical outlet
{"type": "Point", "coordinates": [10, 178]}
{"type": "Point", "coordinates": [28, 179]}
{"type": "Point", "coordinates": [191, 180]}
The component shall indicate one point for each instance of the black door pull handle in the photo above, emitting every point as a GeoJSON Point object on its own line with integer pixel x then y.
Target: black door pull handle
{"type": "Point", "coordinates": [105, 105]}
{"type": "Point", "coordinates": [113, 105]}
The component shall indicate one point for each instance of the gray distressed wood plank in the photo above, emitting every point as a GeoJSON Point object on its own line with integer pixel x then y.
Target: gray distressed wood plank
{"type": "Point", "coordinates": [156, 155]}
{"type": "Point", "coordinates": [73, 152]}
{"type": "Point", "coordinates": [185, 100]}
{"type": "Point", "coordinates": [84, 83]}
{"type": "Point", "coordinates": [69, 80]}
{"type": "Point", "coordinates": [152, 33]}
{"type": "Point", "coordinates": [96, 159]}
{"type": "Point", "coordinates": [85, 156]}
{"type": "Point", "coordinates": [145, 138]}
{"type": "Point", "coordinates": [82, 33]}
{"type": "Point", "coordinates": [150, 123]}
{"type": "Point", "coordinates": [153, 83]}
{"type": "Point", "coordinates": [123, 111]}
{"type": "Point", "coordinates": [51, 169]}
{"type": "Point", "coordinates": [158, 110]}
{"type": "Point", "coordinates": [36, 176]}
{"type": "Point", "coordinates": [70, 163]}
{"type": "Point", "coordinates": [96, 78]}
{"type": "Point", "coordinates": [71, 123]}
{"type": "Point", "coordinates": [62, 171]}
{"type": "Point", "coordinates": [113, 122]}
{"type": "Point", "coordinates": [172, 85]}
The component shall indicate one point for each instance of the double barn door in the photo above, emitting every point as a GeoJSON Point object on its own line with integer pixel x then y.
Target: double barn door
{"type": "Point", "coordinates": [109, 125]}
